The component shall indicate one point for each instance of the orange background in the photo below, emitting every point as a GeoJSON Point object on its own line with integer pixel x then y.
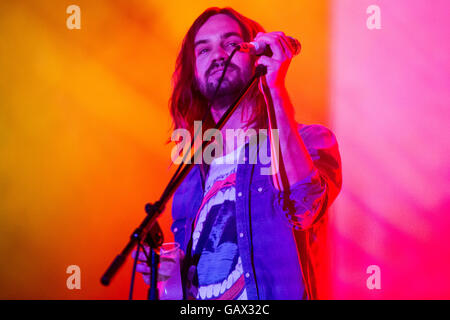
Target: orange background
{"type": "Point", "coordinates": [84, 124]}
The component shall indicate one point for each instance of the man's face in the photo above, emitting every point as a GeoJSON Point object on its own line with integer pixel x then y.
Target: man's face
{"type": "Point", "coordinates": [214, 42]}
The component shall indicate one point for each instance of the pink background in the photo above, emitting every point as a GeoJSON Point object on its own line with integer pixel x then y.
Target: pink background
{"type": "Point", "coordinates": [390, 109]}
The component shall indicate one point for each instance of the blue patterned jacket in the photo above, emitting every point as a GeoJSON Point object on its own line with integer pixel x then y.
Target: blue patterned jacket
{"type": "Point", "coordinates": [274, 228]}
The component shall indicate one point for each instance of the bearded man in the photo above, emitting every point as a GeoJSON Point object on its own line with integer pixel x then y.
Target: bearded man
{"type": "Point", "coordinates": [245, 233]}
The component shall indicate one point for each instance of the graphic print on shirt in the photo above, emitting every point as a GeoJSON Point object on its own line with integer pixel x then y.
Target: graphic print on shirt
{"type": "Point", "coordinates": [219, 273]}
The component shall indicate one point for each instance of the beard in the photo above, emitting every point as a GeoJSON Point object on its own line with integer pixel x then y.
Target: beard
{"type": "Point", "coordinates": [231, 86]}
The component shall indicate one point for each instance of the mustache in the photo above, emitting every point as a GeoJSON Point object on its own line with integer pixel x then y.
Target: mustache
{"type": "Point", "coordinates": [216, 66]}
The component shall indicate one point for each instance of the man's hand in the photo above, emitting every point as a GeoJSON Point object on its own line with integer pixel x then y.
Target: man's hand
{"type": "Point", "coordinates": [165, 268]}
{"type": "Point", "coordinates": [278, 64]}
{"type": "Point", "coordinates": [292, 163]}
{"type": "Point", "coordinates": [142, 266]}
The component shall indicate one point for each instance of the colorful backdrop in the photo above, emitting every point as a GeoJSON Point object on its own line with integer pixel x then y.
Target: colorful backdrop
{"type": "Point", "coordinates": [84, 123]}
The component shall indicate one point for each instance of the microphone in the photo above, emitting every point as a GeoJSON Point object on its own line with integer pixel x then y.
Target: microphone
{"type": "Point", "coordinates": [259, 48]}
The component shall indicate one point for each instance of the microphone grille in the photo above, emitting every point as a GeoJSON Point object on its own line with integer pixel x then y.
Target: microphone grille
{"type": "Point", "coordinates": [256, 45]}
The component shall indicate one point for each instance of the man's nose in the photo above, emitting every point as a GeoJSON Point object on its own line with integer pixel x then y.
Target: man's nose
{"type": "Point", "coordinates": [219, 54]}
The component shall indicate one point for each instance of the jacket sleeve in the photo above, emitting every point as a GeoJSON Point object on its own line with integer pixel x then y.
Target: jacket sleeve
{"type": "Point", "coordinates": [179, 217]}
{"type": "Point", "coordinates": [307, 200]}
{"type": "Point", "coordinates": [186, 200]}
{"type": "Point", "coordinates": [178, 229]}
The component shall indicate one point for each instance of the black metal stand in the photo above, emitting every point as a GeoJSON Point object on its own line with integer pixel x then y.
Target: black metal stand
{"type": "Point", "coordinates": [133, 273]}
{"type": "Point", "coordinates": [149, 230]}
{"type": "Point", "coordinates": [152, 290]}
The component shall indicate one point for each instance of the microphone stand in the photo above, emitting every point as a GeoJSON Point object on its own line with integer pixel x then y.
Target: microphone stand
{"type": "Point", "coordinates": [149, 231]}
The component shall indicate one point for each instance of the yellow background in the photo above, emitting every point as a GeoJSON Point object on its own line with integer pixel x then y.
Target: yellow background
{"type": "Point", "coordinates": [84, 123]}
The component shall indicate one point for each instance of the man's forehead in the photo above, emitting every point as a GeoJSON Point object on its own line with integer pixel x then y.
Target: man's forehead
{"type": "Point", "coordinates": [219, 25]}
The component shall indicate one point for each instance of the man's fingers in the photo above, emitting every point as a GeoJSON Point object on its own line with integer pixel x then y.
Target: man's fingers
{"type": "Point", "coordinates": [162, 260]}
{"type": "Point", "coordinates": [287, 46]}
{"type": "Point", "coordinates": [287, 49]}
{"type": "Point", "coordinates": [143, 268]}
{"type": "Point", "coordinates": [274, 43]}
{"type": "Point", "coordinates": [146, 279]}
{"type": "Point", "coordinates": [142, 255]}
{"type": "Point", "coordinates": [166, 266]}
{"type": "Point", "coordinates": [278, 42]}
{"type": "Point", "coordinates": [268, 62]}
{"type": "Point", "coordinates": [146, 248]}
{"type": "Point", "coordinates": [146, 273]}
{"type": "Point", "coordinates": [285, 40]}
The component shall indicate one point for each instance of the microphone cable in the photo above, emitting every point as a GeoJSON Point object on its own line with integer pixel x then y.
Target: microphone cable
{"type": "Point", "coordinates": [227, 63]}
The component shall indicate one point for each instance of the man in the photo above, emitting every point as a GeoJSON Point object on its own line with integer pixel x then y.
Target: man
{"type": "Point", "coordinates": [245, 233]}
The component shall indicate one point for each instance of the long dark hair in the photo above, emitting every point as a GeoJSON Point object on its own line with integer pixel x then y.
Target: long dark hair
{"type": "Point", "coordinates": [187, 104]}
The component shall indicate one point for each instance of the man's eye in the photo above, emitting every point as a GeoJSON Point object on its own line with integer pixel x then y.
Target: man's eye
{"type": "Point", "coordinates": [233, 44]}
{"type": "Point", "coordinates": [202, 51]}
